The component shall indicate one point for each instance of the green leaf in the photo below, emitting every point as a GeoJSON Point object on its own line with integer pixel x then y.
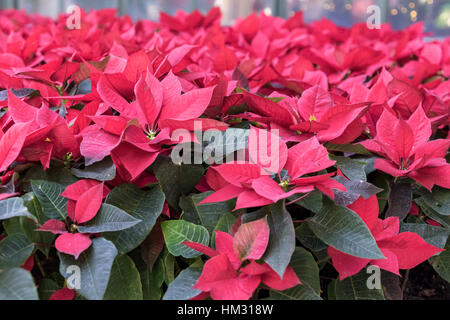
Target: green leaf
{"type": "Point", "coordinates": [344, 230]}
{"type": "Point", "coordinates": [297, 293]}
{"type": "Point", "coordinates": [207, 215]}
{"type": "Point", "coordinates": [391, 285]}
{"type": "Point", "coordinates": [178, 231]}
{"type": "Point", "coordinates": [15, 249]}
{"type": "Point", "coordinates": [49, 195]}
{"type": "Point", "coordinates": [400, 200]}
{"type": "Point", "coordinates": [181, 287]}
{"type": "Point", "coordinates": [355, 288]}
{"type": "Point", "coordinates": [438, 200]}
{"type": "Point", "coordinates": [56, 173]}
{"type": "Point", "coordinates": [31, 202]}
{"type": "Point", "coordinates": [355, 189]}
{"type": "Point", "coordinates": [29, 226]}
{"type": "Point", "coordinates": [125, 281]}
{"type": "Point", "coordinates": [353, 169]}
{"type": "Point", "coordinates": [17, 284]}
{"type": "Point", "coordinates": [313, 202]}
{"type": "Point", "coordinates": [43, 240]}
{"type": "Point", "coordinates": [282, 238]}
{"type": "Point", "coordinates": [151, 280]}
{"type": "Point", "coordinates": [441, 263]}
{"type": "Point", "coordinates": [305, 266]}
{"type": "Point", "coordinates": [141, 204]}
{"type": "Point", "coordinates": [435, 236]}
{"type": "Point", "coordinates": [102, 171]}
{"type": "Point", "coordinates": [224, 224]}
{"type": "Point", "coordinates": [176, 180]}
{"type": "Point", "coordinates": [46, 288]}
{"type": "Point", "coordinates": [443, 220]}
{"type": "Point", "coordinates": [108, 219]}
{"type": "Point", "coordinates": [95, 268]}
{"type": "Point", "coordinates": [13, 207]}
{"type": "Point", "coordinates": [307, 271]}
{"type": "Point", "coordinates": [348, 148]}
{"type": "Point", "coordinates": [12, 226]}
{"type": "Point", "coordinates": [305, 235]}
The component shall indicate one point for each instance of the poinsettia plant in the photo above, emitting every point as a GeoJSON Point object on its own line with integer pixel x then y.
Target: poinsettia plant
{"type": "Point", "coordinates": [182, 159]}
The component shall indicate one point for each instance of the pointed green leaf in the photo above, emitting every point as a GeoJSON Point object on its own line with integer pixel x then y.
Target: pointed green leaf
{"type": "Point", "coordinates": [14, 251]}
{"type": "Point", "coordinates": [181, 287]}
{"type": "Point", "coordinates": [282, 238]}
{"type": "Point", "coordinates": [109, 218]}
{"type": "Point", "coordinates": [145, 205]}
{"type": "Point", "coordinates": [125, 281]}
{"type": "Point", "coordinates": [54, 206]}
{"type": "Point", "coordinates": [441, 263]}
{"type": "Point", "coordinates": [176, 180]}
{"type": "Point", "coordinates": [435, 236]}
{"type": "Point", "coordinates": [207, 214]}
{"type": "Point", "coordinates": [344, 230]}
{"type": "Point", "coordinates": [17, 284]}
{"type": "Point", "coordinates": [102, 171]}
{"type": "Point", "coordinates": [95, 268]}
{"type": "Point", "coordinates": [356, 288]}
{"type": "Point", "coordinates": [178, 231]}
{"type": "Point", "coordinates": [13, 207]}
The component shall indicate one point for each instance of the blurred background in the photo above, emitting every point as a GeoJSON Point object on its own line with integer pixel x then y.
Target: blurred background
{"type": "Point", "coordinates": [400, 13]}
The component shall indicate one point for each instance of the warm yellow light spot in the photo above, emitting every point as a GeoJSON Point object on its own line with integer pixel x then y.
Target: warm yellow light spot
{"type": "Point", "coordinates": [412, 5]}
{"type": "Point", "coordinates": [47, 140]}
{"type": "Point", "coordinates": [430, 1]}
{"type": "Point", "coordinates": [312, 118]}
{"type": "Point", "coordinates": [394, 12]}
{"type": "Point", "coordinates": [403, 10]}
{"type": "Point", "coordinates": [413, 14]}
{"type": "Point", "coordinates": [348, 6]}
{"type": "Point", "coordinates": [268, 11]}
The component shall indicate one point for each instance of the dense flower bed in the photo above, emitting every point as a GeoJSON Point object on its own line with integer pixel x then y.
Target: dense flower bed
{"type": "Point", "coordinates": [118, 144]}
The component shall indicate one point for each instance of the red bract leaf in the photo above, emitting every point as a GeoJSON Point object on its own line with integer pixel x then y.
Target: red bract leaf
{"type": "Point", "coordinates": [149, 95]}
{"type": "Point", "coordinates": [251, 239]}
{"type": "Point", "coordinates": [267, 150]}
{"type": "Point", "coordinates": [77, 189]}
{"type": "Point", "coordinates": [11, 144]}
{"type": "Point", "coordinates": [63, 294]}
{"type": "Point", "coordinates": [73, 243]}
{"type": "Point", "coordinates": [89, 203]}
{"type": "Point", "coordinates": [410, 249]}
{"type": "Point", "coordinates": [190, 105]}
{"type": "Point", "coordinates": [314, 102]}
{"type": "Point", "coordinates": [111, 96]}
{"type": "Point", "coordinates": [200, 248]}
{"type": "Point", "coordinates": [225, 59]}
{"type": "Point", "coordinates": [53, 226]}
{"type": "Point", "coordinates": [29, 264]}
{"type": "Point", "coordinates": [19, 110]}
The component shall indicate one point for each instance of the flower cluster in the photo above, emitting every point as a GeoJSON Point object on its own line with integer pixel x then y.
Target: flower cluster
{"type": "Point", "coordinates": [343, 133]}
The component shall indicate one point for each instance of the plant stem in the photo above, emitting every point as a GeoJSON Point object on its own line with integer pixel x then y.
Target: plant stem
{"type": "Point", "coordinates": [405, 281]}
{"type": "Point", "coordinates": [301, 198]}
